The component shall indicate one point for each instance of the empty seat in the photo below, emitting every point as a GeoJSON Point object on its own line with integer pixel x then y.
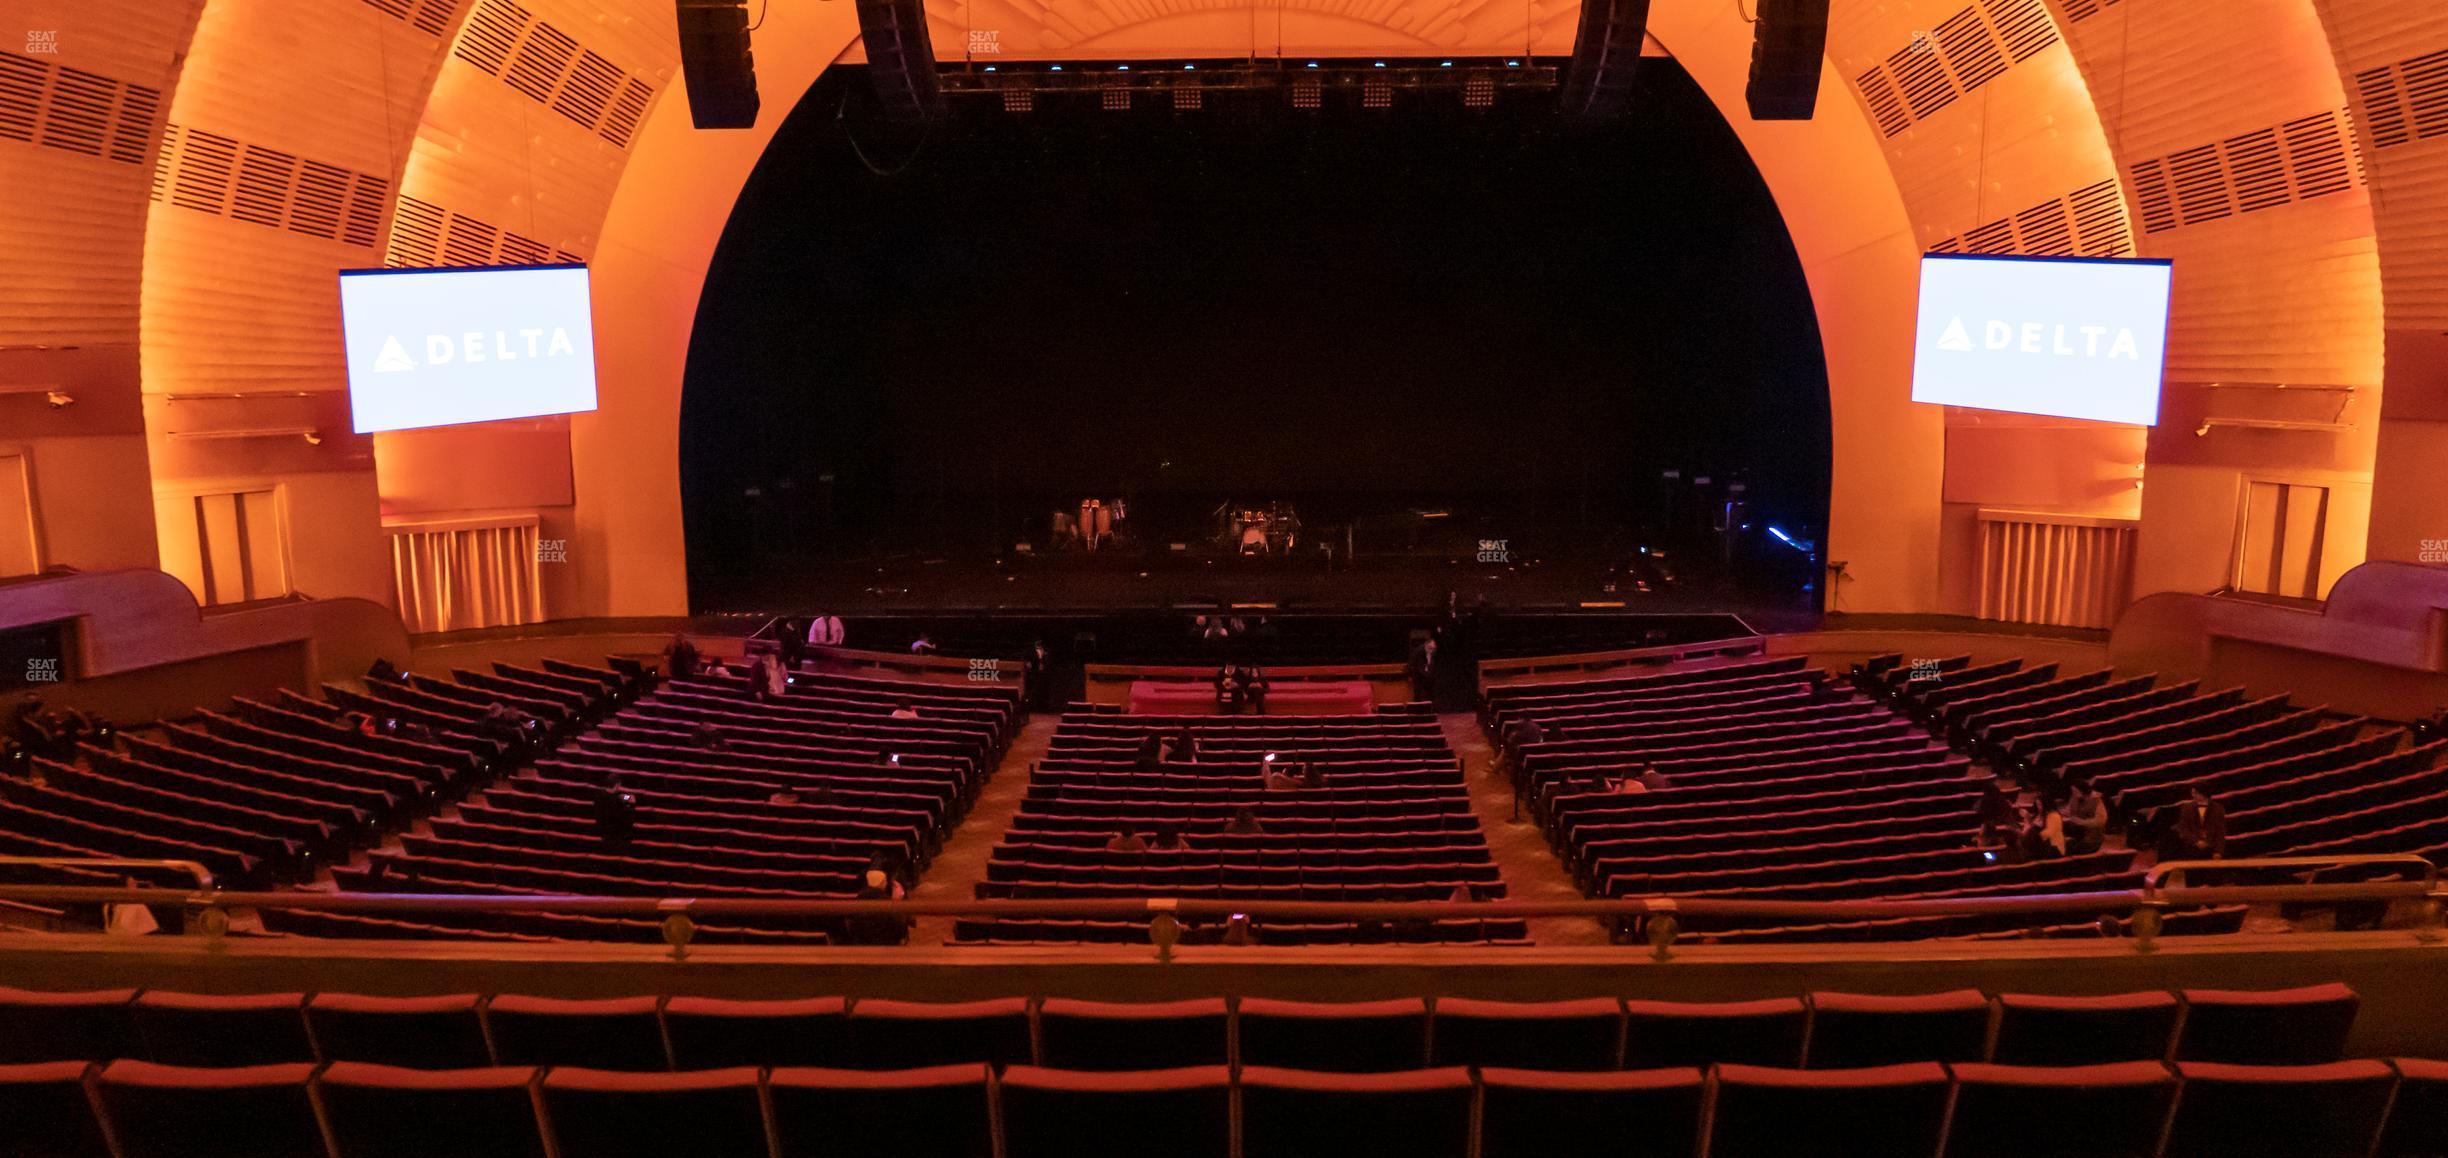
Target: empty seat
{"type": "Point", "coordinates": [44, 1112]}
{"type": "Point", "coordinates": [613, 1033]}
{"type": "Point", "coordinates": [1341, 1036]}
{"type": "Point", "coordinates": [2036, 1030]}
{"type": "Point", "coordinates": [2315, 1111]}
{"type": "Point", "coordinates": [616, 1114]}
{"type": "Point", "coordinates": [1585, 1034]}
{"type": "Point", "coordinates": [1111, 1035]}
{"type": "Point", "coordinates": [900, 1035]}
{"type": "Point", "coordinates": [2278, 1027]}
{"type": "Point", "coordinates": [710, 1033]}
{"type": "Point", "coordinates": [2418, 1120]}
{"type": "Point", "coordinates": [434, 1033]}
{"type": "Point", "coordinates": [1859, 1030]}
{"type": "Point", "coordinates": [210, 1029]}
{"type": "Point", "coordinates": [1848, 1113]}
{"type": "Point", "coordinates": [2118, 1110]}
{"type": "Point", "coordinates": [1300, 1113]}
{"type": "Point", "coordinates": [380, 1111]}
{"type": "Point", "coordinates": [89, 1025]}
{"type": "Point", "coordinates": [937, 1112]}
{"type": "Point", "coordinates": [161, 1111]}
{"type": "Point", "coordinates": [1703, 1033]}
{"type": "Point", "coordinates": [1051, 1113]}
{"type": "Point", "coordinates": [1537, 1114]}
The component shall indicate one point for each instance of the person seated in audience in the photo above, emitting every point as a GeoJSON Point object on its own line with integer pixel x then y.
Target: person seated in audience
{"type": "Point", "coordinates": [615, 813]}
{"type": "Point", "coordinates": [923, 645]}
{"type": "Point", "coordinates": [1251, 684]}
{"type": "Point", "coordinates": [680, 658]}
{"type": "Point", "coordinates": [1625, 786]}
{"type": "Point", "coordinates": [903, 711]}
{"type": "Point", "coordinates": [1126, 842]}
{"type": "Point", "coordinates": [360, 723]}
{"type": "Point", "coordinates": [1227, 692]}
{"type": "Point", "coordinates": [1237, 930]}
{"type": "Point", "coordinates": [2086, 818]}
{"type": "Point", "coordinates": [129, 919]}
{"type": "Point", "coordinates": [1151, 753]}
{"type": "Point", "coordinates": [767, 682]}
{"type": "Point", "coordinates": [1278, 775]}
{"type": "Point", "coordinates": [1169, 839]}
{"type": "Point", "coordinates": [2199, 829]}
{"type": "Point", "coordinates": [1185, 746]}
{"type": "Point", "coordinates": [1422, 670]}
{"type": "Point", "coordinates": [877, 885]}
{"type": "Point", "coordinates": [410, 730]}
{"type": "Point", "coordinates": [1312, 775]}
{"type": "Point", "coordinates": [1244, 822]}
{"type": "Point", "coordinates": [1652, 779]}
{"type": "Point", "coordinates": [383, 671]}
{"type": "Point", "coordinates": [1996, 815]}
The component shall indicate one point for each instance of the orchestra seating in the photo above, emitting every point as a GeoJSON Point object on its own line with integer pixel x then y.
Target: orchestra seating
{"type": "Point", "coordinates": [1392, 822]}
{"type": "Point", "coordinates": [599, 1077]}
{"type": "Point", "coordinates": [1782, 782]}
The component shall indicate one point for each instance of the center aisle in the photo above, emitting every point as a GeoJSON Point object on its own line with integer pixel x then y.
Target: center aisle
{"type": "Point", "coordinates": [962, 863]}
{"type": "Point", "coordinates": [1531, 870]}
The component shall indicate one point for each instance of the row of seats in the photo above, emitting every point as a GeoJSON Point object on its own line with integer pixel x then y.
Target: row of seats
{"type": "Point", "coordinates": [1820, 1031]}
{"type": "Point", "coordinates": [1391, 821]}
{"type": "Point", "coordinates": [2349, 1109]}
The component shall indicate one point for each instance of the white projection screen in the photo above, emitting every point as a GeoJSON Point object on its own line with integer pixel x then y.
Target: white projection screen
{"type": "Point", "coordinates": [2066, 337]}
{"type": "Point", "coordinates": [439, 347]}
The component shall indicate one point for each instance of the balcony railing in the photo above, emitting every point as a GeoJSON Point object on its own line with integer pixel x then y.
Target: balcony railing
{"type": "Point", "coordinates": [1658, 918]}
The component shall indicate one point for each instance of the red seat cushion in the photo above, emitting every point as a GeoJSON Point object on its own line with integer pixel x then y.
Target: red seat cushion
{"type": "Point", "coordinates": [934, 1112]}
{"type": "Point", "coordinates": [381, 1111]}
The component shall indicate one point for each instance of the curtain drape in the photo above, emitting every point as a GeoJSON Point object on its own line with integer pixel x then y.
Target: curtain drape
{"type": "Point", "coordinates": [2065, 571]}
{"type": "Point", "coordinates": [449, 577]}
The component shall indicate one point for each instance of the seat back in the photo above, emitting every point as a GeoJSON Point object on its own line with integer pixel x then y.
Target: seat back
{"type": "Point", "coordinates": [1895, 1110]}
{"type": "Point", "coordinates": [1539, 1114]}
{"type": "Point", "coordinates": [2279, 1027]}
{"type": "Point", "coordinates": [1339, 1036]}
{"type": "Point", "coordinates": [1860, 1030]}
{"type": "Point", "coordinates": [2418, 1119]}
{"type": "Point", "coordinates": [2036, 1030]}
{"type": "Point", "coordinates": [45, 1113]}
{"type": "Point", "coordinates": [163, 1111]}
{"type": "Point", "coordinates": [1050, 1113]}
{"type": "Point", "coordinates": [433, 1033]}
{"type": "Point", "coordinates": [711, 1033]}
{"type": "Point", "coordinates": [381, 1111]}
{"type": "Point", "coordinates": [1660, 1034]}
{"type": "Point", "coordinates": [620, 1114]}
{"type": "Point", "coordinates": [1296, 1113]}
{"type": "Point", "coordinates": [1107, 1035]}
{"type": "Point", "coordinates": [91, 1025]}
{"type": "Point", "coordinates": [938, 1112]}
{"type": "Point", "coordinates": [1585, 1034]}
{"type": "Point", "coordinates": [613, 1033]}
{"type": "Point", "coordinates": [207, 1029]}
{"type": "Point", "coordinates": [2238, 1111]}
{"type": "Point", "coordinates": [2119, 1110]}
{"type": "Point", "coordinates": [898, 1035]}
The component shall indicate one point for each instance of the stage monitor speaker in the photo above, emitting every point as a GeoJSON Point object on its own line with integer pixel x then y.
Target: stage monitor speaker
{"type": "Point", "coordinates": [1606, 52]}
{"type": "Point", "coordinates": [900, 59]}
{"type": "Point", "coordinates": [1788, 43]}
{"type": "Point", "coordinates": [716, 63]}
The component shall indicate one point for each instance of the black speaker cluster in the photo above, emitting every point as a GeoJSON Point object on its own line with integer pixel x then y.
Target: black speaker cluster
{"type": "Point", "coordinates": [716, 63]}
{"type": "Point", "coordinates": [1787, 45]}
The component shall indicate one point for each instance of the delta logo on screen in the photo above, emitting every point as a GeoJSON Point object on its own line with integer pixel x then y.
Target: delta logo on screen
{"type": "Point", "coordinates": [444, 347]}
{"type": "Point", "coordinates": [2069, 338]}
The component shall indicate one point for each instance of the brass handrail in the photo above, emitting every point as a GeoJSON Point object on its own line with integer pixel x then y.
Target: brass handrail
{"type": "Point", "coordinates": [2175, 869]}
{"type": "Point", "coordinates": [203, 876]}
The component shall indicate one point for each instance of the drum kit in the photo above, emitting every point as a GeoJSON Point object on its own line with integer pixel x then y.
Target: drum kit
{"type": "Point", "coordinates": [1272, 530]}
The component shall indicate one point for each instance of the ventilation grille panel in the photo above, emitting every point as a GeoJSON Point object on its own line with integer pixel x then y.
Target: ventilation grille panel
{"type": "Point", "coordinates": [551, 68]}
{"type": "Point", "coordinates": [220, 175]}
{"type": "Point", "coordinates": [75, 111]}
{"type": "Point", "coordinates": [2089, 222]}
{"type": "Point", "coordinates": [2300, 160]}
{"type": "Point", "coordinates": [2406, 101]}
{"type": "Point", "coordinates": [1969, 49]}
{"type": "Point", "coordinates": [425, 234]}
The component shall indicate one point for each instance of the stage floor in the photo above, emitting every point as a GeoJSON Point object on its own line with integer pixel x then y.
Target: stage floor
{"type": "Point", "coordinates": [1111, 582]}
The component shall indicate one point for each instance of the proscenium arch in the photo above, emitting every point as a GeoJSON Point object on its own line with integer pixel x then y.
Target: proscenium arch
{"type": "Point", "coordinates": [1828, 176]}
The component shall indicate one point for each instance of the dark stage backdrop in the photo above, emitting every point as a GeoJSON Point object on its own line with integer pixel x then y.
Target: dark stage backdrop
{"type": "Point", "coordinates": [1362, 309]}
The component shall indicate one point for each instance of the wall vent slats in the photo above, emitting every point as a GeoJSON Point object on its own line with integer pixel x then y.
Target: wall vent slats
{"type": "Point", "coordinates": [1966, 50]}
{"type": "Point", "coordinates": [2088, 222]}
{"type": "Point", "coordinates": [551, 68]}
{"type": "Point", "coordinates": [2304, 158]}
{"type": "Point", "coordinates": [216, 174]}
{"type": "Point", "coordinates": [76, 111]}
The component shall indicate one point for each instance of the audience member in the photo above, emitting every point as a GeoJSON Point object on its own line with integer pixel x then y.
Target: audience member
{"type": "Point", "coordinates": [2086, 818]}
{"type": "Point", "coordinates": [680, 658]}
{"type": "Point", "coordinates": [1126, 842]}
{"type": "Point", "coordinates": [1244, 822]}
{"type": "Point", "coordinates": [903, 711]}
{"type": "Point", "coordinates": [2199, 830]}
{"type": "Point", "coordinates": [615, 813]}
{"type": "Point", "coordinates": [1169, 839]}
